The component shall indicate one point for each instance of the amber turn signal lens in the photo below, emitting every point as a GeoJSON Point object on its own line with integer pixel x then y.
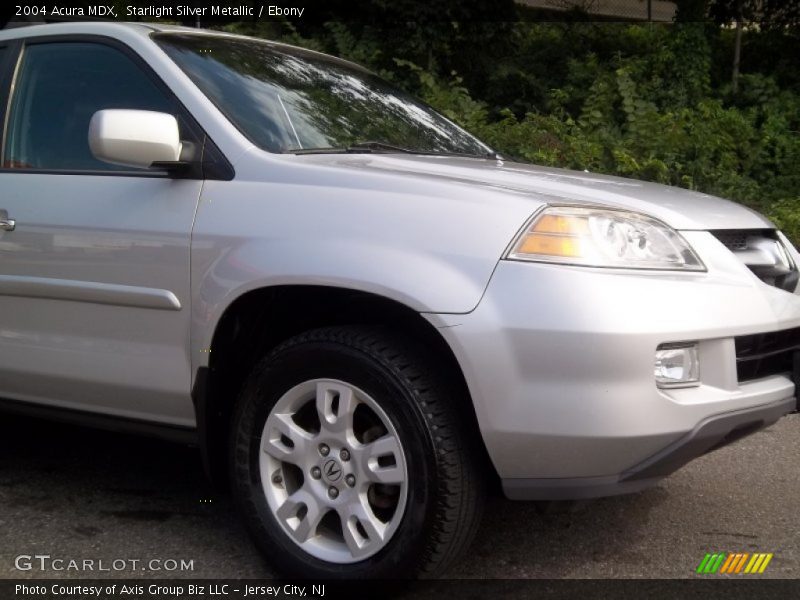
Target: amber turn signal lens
{"type": "Point", "coordinates": [551, 245]}
{"type": "Point", "coordinates": [561, 224]}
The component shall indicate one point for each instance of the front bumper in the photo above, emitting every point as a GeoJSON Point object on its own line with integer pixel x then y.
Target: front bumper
{"type": "Point", "coordinates": [559, 362]}
{"type": "Point", "coordinates": [712, 433]}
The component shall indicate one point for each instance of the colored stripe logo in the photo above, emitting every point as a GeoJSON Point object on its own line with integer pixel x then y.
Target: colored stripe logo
{"type": "Point", "coordinates": [734, 563]}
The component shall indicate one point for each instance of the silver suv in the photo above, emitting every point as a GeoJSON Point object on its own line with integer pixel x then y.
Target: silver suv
{"type": "Point", "coordinates": [361, 313]}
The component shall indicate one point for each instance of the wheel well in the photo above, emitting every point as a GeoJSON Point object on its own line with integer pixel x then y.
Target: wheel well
{"type": "Point", "coordinates": [261, 319]}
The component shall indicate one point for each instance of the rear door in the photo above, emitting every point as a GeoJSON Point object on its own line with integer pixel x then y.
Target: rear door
{"type": "Point", "coordinates": [94, 270]}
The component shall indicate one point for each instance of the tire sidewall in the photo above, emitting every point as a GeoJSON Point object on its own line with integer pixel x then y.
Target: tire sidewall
{"type": "Point", "coordinates": [271, 379]}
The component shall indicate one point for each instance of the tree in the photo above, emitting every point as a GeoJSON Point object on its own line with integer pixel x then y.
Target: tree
{"type": "Point", "coordinates": [766, 14]}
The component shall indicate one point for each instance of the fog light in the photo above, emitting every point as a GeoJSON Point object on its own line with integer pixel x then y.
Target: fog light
{"type": "Point", "coordinates": [677, 365]}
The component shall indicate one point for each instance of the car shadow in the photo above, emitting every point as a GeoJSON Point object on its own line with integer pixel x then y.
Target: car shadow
{"type": "Point", "coordinates": [565, 540]}
{"type": "Point", "coordinates": [75, 492]}
{"type": "Point", "coordinates": [67, 490]}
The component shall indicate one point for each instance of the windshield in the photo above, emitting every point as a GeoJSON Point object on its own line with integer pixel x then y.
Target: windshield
{"type": "Point", "coordinates": [286, 99]}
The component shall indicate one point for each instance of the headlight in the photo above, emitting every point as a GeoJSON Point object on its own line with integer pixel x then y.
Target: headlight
{"type": "Point", "coordinates": [598, 237]}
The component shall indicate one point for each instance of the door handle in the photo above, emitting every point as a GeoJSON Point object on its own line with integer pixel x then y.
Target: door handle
{"type": "Point", "coordinates": [7, 224]}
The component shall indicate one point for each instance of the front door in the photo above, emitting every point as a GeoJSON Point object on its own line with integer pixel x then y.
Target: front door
{"type": "Point", "coordinates": [94, 257]}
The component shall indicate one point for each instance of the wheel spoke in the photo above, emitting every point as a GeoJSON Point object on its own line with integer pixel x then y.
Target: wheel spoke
{"type": "Point", "coordinates": [362, 530]}
{"type": "Point", "coordinates": [382, 461]}
{"type": "Point", "coordinates": [301, 513]}
{"type": "Point", "coordinates": [285, 440]}
{"type": "Point", "coordinates": [336, 404]}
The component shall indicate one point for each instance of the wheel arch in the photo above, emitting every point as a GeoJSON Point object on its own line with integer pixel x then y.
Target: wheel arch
{"type": "Point", "coordinates": [260, 319]}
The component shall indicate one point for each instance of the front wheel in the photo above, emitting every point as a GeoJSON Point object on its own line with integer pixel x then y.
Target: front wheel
{"type": "Point", "coordinates": [350, 459]}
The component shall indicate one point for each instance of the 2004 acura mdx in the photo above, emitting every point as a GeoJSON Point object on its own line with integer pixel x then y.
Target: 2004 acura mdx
{"type": "Point", "coordinates": [359, 311]}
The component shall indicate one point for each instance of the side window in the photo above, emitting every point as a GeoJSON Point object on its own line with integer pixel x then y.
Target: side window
{"type": "Point", "coordinates": [3, 57]}
{"type": "Point", "coordinates": [58, 88]}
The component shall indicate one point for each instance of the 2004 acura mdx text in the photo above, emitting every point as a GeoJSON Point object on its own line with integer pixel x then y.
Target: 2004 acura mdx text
{"type": "Point", "coordinates": [357, 310]}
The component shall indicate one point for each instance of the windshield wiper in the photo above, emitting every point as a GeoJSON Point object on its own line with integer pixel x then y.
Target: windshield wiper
{"type": "Point", "coordinates": [383, 146]}
{"type": "Point", "coordinates": [370, 146]}
{"type": "Point", "coordinates": [357, 148]}
{"type": "Point", "coordinates": [373, 146]}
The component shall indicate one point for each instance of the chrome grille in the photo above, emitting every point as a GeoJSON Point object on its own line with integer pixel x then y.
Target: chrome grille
{"type": "Point", "coordinates": [764, 254]}
{"type": "Point", "coordinates": [733, 240]}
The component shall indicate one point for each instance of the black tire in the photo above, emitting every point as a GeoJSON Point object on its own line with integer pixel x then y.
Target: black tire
{"type": "Point", "coordinates": [445, 483]}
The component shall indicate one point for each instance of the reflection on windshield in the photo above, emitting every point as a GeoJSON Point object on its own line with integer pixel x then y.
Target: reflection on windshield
{"type": "Point", "coordinates": [285, 99]}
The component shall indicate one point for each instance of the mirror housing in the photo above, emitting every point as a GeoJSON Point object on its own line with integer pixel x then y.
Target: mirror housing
{"type": "Point", "coordinates": [135, 138]}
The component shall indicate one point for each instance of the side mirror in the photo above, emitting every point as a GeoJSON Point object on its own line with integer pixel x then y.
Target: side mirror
{"type": "Point", "coordinates": [135, 138]}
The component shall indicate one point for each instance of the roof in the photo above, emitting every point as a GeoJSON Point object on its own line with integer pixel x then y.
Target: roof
{"type": "Point", "coordinates": [76, 27]}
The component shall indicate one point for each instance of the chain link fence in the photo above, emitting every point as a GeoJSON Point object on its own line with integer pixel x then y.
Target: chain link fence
{"type": "Point", "coordinates": [621, 10]}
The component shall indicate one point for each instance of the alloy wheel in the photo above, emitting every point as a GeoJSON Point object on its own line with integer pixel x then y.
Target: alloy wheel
{"type": "Point", "coordinates": [333, 470]}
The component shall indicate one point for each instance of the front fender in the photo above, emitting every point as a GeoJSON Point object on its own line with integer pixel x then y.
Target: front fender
{"type": "Point", "coordinates": [418, 281]}
{"type": "Point", "coordinates": [425, 252]}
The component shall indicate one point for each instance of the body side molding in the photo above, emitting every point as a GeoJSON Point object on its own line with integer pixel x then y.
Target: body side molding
{"type": "Point", "coordinates": [88, 291]}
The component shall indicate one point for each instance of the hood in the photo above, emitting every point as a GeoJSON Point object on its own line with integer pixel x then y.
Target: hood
{"type": "Point", "coordinates": [677, 207]}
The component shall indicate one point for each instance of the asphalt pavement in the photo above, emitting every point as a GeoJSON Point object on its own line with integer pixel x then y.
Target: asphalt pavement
{"type": "Point", "coordinates": [77, 494]}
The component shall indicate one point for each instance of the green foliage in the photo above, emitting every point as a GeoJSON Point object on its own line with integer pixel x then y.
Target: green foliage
{"type": "Point", "coordinates": [652, 115]}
